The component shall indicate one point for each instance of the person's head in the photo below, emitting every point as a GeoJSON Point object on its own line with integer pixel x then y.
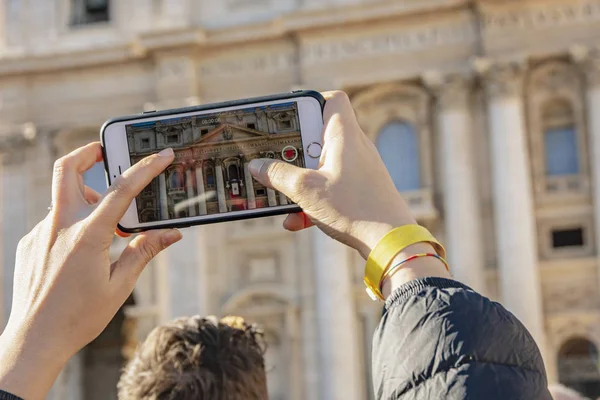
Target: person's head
{"type": "Point", "coordinates": [198, 358]}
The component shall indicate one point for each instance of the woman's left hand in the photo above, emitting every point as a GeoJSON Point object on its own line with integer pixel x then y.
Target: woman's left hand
{"type": "Point", "coordinates": [66, 290]}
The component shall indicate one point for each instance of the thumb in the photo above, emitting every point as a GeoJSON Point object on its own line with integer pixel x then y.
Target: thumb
{"type": "Point", "coordinates": [140, 251]}
{"type": "Point", "coordinates": [278, 175]}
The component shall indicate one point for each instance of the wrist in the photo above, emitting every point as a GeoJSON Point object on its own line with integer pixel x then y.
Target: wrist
{"type": "Point", "coordinates": [425, 267]}
{"type": "Point", "coordinates": [28, 367]}
{"type": "Point", "coordinates": [371, 232]}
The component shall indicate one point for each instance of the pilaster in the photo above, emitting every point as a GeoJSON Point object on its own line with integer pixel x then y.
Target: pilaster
{"type": "Point", "coordinates": [513, 197]}
{"type": "Point", "coordinates": [462, 213]}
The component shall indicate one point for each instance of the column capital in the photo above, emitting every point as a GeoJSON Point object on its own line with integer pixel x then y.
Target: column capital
{"type": "Point", "coordinates": [589, 60]}
{"type": "Point", "coordinates": [501, 78]}
{"type": "Point", "coordinates": [452, 91]}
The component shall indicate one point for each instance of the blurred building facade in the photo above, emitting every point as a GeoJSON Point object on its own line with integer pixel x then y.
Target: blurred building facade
{"type": "Point", "coordinates": [487, 114]}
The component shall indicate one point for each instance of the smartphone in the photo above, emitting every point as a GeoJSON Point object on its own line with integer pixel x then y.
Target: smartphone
{"type": "Point", "coordinates": [209, 179]}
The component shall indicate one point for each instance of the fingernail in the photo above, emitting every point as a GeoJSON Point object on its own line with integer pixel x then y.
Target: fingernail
{"type": "Point", "coordinates": [255, 166]}
{"type": "Point", "coordinates": [166, 152]}
{"type": "Point", "coordinates": [170, 237]}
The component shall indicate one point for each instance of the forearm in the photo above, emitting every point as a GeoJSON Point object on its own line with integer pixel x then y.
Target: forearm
{"type": "Point", "coordinates": [26, 370]}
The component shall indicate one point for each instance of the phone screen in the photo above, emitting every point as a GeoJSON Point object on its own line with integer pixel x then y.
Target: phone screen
{"type": "Point", "coordinates": [210, 172]}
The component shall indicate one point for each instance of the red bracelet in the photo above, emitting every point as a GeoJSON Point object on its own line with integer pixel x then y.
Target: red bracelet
{"type": "Point", "coordinates": [396, 267]}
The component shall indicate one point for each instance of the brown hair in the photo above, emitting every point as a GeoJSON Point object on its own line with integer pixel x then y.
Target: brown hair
{"type": "Point", "coordinates": [198, 358]}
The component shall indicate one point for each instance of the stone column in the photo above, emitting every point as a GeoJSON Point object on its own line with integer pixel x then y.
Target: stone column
{"type": "Point", "coordinates": [164, 202]}
{"type": "Point", "coordinates": [189, 187]}
{"type": "Point", "coordinates": [249, 186]}
{"type": "Point", "coordinates": [283, 199]}
{"type": "Point", "coordinates": [272, 197]}
{"type": "Point", "coordinates": [220, 186]}
{"type": "Point", "coordinates": [591, 65]}
{"type": "Point", "coordinates": [200, 189]}
{"type": "Point", "coordinates": [185, 290]}
{"type": "Point", "coordinates": [461, 201]}
{"type": "Point", "coordinates": [516, 243]}
{"type": "Point", "coordinates": [339, 347]}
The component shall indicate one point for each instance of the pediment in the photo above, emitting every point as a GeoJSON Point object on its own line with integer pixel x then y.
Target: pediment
{"type": "Point", "coordinates": [226, 133]}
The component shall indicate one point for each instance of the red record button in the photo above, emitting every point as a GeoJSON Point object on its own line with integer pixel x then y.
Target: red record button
{"type": "Point", "coordinates": [289, 153]}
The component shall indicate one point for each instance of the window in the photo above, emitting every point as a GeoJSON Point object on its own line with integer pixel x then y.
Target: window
{"type": "Point", "coordinates": [209, 176]}
{"type": "Point", "coordinates": [145, 143]}
{"type": "Point", "coordinates": [399, 150]}
{"type": "Point", "coordinates": [567, 238]}
{"type": "Point", "coordinates": [560, 139]}
{"type": "Point", "coordinates": [176, 179]}
{"type": "Point", "coordinates": [95, 178]}
{"type": "Point", "coordinates": [261, 192]}
{"type": "Point", "coordinates": [85, 12]}
{"type": "Point", "coordinates": [232, 171]}
{"type": "Point", "coordinates": [203, 132]}
{"type": "Point", "coordinates": [561, 151]}
{"type": "Point", "coordinates": [284, 124]}
{"type": "Point", "coordinates": [251, 126]}
{"type": "Point", "coordinates": [172, 138]}
{"type": "Point", "coordinates": [578, 367]}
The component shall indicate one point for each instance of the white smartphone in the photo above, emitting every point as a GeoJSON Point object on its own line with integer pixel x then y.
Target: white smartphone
{"type": "Point", "coordinates": [209, 179]}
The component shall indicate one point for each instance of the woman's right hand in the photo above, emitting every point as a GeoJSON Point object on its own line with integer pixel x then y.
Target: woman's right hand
{"type": "Point", "coordinates": [351, 197]}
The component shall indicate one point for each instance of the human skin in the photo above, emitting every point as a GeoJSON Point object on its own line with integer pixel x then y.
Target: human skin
{"type": "Point", "coordinates": [66, 290]}
{"type": "Point", "coordinates": [351, 196]}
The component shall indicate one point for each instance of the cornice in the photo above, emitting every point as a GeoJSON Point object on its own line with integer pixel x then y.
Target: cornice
{"type": "Point", "coordinates": [22, 62]}
{"type": "Point", "coordinates": [27, 64]}
{"type": "Point", "coordinates": [323, 18]}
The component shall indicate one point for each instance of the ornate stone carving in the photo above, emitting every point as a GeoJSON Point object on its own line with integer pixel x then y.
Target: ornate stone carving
{"type": "Point", "coordinates": [452, 91]}
{"type": "Point", "coordinates": [172, 68]}
{"type": "Point", "coordinates": [555, 77]}
{"type": "Point", "coordinates": [589, 60]}
{"type": "Point", "coordinates": [419, 38]}
{"type": "Point", "coordinates": [501, 79]}
{"type": "Point", "coordinates": [227, 133]}
{"type": "Point", "coordinates": [541, 16]}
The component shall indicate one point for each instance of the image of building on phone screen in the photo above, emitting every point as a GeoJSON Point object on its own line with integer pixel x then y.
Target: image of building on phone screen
{"type": "Point", "coordinates": [210, 172]}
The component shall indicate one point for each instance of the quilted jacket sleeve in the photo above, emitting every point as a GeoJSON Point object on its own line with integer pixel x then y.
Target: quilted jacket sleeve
{"type": "Point", "coordinates": [438, 339]}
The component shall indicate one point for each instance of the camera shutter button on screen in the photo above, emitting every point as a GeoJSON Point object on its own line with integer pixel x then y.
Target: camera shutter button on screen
{"type": "Point", "coordinates": [314, 150]}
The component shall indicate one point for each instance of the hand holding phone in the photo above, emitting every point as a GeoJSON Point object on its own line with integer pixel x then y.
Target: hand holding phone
{"type": "Point", "coordinates": [351, 197]}
{"type": "Point", "coordinates": [209, 179]}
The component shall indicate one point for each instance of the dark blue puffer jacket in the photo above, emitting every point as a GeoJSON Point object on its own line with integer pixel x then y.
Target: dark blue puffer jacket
{"type": "Point", "coordinates": [439, 339]}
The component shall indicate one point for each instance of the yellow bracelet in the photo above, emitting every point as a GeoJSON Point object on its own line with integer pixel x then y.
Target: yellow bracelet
{"type": "Point", "coordinates": [386, 250]}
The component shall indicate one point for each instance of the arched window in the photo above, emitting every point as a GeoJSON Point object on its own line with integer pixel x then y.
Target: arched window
{"type": "Point", "coordinates": [209, 175]}
{"type": "Point", "coordinates": [233, 173]}
{"type": "Point", "coordinates": [398, 146]}
{"type": "Point", "coordinates": [176, 179]}
{"type": "Point", "coordinates": [578, 367]}
{"type": "Point", "coordinates": [560, 139]}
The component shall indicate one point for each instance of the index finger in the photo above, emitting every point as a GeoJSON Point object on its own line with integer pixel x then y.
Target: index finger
{"type": "Point", "coordinates": [126, 187]}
